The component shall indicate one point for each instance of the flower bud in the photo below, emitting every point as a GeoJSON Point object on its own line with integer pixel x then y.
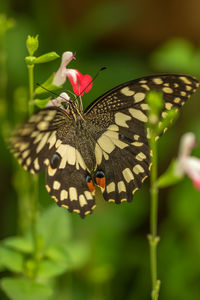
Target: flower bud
{"type": "Point", "coordinates": [32, 44]}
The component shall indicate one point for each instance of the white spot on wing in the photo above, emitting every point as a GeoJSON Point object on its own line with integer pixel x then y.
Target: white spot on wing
{"type": "Point", "coordinates": [88, 195]}
{"type": "Point", "coordinates": [139, 97]}
{"type": "Point", "coordinates": [158, 80]}
{"type": "Point", "coordinates": [138, 114]}
{"type": "Point", "coordinates": [98, 154]}
{"type": "Point", "coordinates": [168, 105]}
{"type": "Point", "coordinates": [144, 106]}
{"type": "Point", "coordinates": [43, 125]}
{"type": "Point", "coordinates": [52, 139]}
{"type": "Point", "coordinates": [121, 186]}
{"type": "Point", "coordinates": [36, 164]}
{"type": "Point", "coordinates": [167, 90]}
{"type": "Point", "coordinates": [177, 100]}
{"type": "Point", "coordinates": [106, 144]}
{"type": "Point", "coordinates": [56, 185]}
{"type": "Point", "coordinates": [42, 142]}
{"type": "Point", "coordinates": [128, 175]}
{"type": "Point", "coordinates": [25, 153]}
{"type": "Point", "coordinates": [113, 127]}
{"type": "Point", "coordinates": [140, 156]}
{"type": "Point", "coordinates": [110, 187]}
{"type": "Point", "coordinates": [73, 193]}
{"type": "Point", "coordinates": [121, 119]}
{"type": "Point", "coordinates": [82, 200]}
{"type": "Point", "coordinates": [51, 172]}
{"type": "Point", "coordinates": [127, 92]}
{"type": "Point", "coordinates": [185, 80]}
{"type": "Point", "coordinates": [138, 169]}
{"type": "Point", "coordinates": [63, 195]}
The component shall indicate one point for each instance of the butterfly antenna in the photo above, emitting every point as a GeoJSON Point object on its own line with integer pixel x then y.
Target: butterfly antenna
{"type": "Point", "coordinates": [53, 93]}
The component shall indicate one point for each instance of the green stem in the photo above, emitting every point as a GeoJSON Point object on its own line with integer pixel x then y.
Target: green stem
{"type": "Point", "coordinates": [31, 89]}
{"type": "Point", "coordinates": [3, 87]}
{"type": "Point", "coordinates": [34, 181]}
{"type": "Point", "coordinates": [153, 238]}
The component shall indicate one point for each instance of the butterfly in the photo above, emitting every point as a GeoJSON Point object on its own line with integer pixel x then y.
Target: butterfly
{"type": "Point", "coordinates": [105, 145]}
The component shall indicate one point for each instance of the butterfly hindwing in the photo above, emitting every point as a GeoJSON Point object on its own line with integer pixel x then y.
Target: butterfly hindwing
{"type": "Point", "coordinates": [67, 183]}
{"type": "Point", "coordinates": [123, 155]}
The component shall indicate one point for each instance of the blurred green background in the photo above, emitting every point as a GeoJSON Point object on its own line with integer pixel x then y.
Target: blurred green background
{"type": "Point", "coordinates": [109, 248]}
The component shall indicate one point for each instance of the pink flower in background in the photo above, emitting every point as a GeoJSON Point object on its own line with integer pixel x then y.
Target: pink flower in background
{"type": "Point", "coordinates": [81, 83]}
{"type": "Point", "coordinates": [187, 164]}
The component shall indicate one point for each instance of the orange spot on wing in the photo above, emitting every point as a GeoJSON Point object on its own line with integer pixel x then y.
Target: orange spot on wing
{"type": "Point", "coordinates": [101, 182]}
{"type": "Point", "coordinates": [91, 186]}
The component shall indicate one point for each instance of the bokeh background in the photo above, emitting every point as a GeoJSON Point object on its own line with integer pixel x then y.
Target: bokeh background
{"type": "Point", "coordinates": [133, 39]}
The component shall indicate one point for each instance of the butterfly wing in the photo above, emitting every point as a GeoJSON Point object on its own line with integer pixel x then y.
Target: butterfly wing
{"type": "Point", "coordinates": [120, 116]}
{"type": "Point", "coordinates": [48, 142]}
{"type": "Point", "coordinates": [35, 142]}
{"type": "Point", "coordinates": [67, 184]}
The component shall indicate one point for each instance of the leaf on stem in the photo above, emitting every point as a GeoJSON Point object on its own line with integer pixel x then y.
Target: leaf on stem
{"type": "Point", "coordinates": [23, 289]}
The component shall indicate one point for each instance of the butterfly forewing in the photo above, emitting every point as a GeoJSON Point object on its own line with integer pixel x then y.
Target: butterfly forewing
{"type": "Point", "coordinates": [109, 143]}
{"type": "Point", "coordinates": [176, 90]}
{"type": "Point", "coordinates": [37, 140]}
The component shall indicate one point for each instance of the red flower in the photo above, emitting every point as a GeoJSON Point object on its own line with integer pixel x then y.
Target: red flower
{"type": "Point", "coordinates": [81, 83]}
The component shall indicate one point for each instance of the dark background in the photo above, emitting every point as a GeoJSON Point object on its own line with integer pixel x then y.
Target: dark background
{"type": "Point", "coordinates": [133, 39]}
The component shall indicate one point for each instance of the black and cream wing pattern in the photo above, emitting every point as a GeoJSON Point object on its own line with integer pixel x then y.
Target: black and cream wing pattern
{"type": "Point", "coordinates": [105, 145]}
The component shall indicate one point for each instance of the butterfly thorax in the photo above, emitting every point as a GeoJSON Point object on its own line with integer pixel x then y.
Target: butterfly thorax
{"type": "Point", "coordinates": [74, 111]}
{"type": "Point", "coordinates": [85, 142]}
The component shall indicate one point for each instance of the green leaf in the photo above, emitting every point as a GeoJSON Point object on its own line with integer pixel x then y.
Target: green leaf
{"type": "Point", "coordinates": [11, 260]}
{"type": "Point", "coordinates": [71, 254]}
{"type": "Point", "coordinates": [59, 254]}
{"type": "Point", "coordinates": [49, 269]}
{"type": "Point", "coordinates": [79, 254]}
{"type": "Point", "coordinates": [32, 44]}
{"type": "Point", "coordinates": [21, 244]}
{"type": "Point", "coordinates": [169, 177]}
{"type": "Point", "coordinates": [41, 103]}
{"type": "Point", "coordinates": [54, 226]}
{"type": "Point", "coordinates": [47, 85]}
{"type": "Point", "coordinates": [23, 289]}
{"type": "Point", "coordinates": [177, 55]}
{"type": "Point", "coordinates": [46, 57]}
{"type": "Point", "coordinates": [5, 24]}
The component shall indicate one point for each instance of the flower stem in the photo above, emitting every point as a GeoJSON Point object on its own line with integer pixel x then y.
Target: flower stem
{"type": "Point", "coordinates": [153, 238]}
{"type": "Point", "coordinates": [3, 87]}
{"type": "Point", "coordinates": [34, 181]}
{"type": "Point", "coordinates": [31, 88]}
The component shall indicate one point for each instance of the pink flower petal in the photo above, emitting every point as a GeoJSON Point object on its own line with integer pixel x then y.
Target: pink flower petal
{"type": "Point", "coordinates": [61, 74]}
{"type": "Point", "coordinates": [196, 184]}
